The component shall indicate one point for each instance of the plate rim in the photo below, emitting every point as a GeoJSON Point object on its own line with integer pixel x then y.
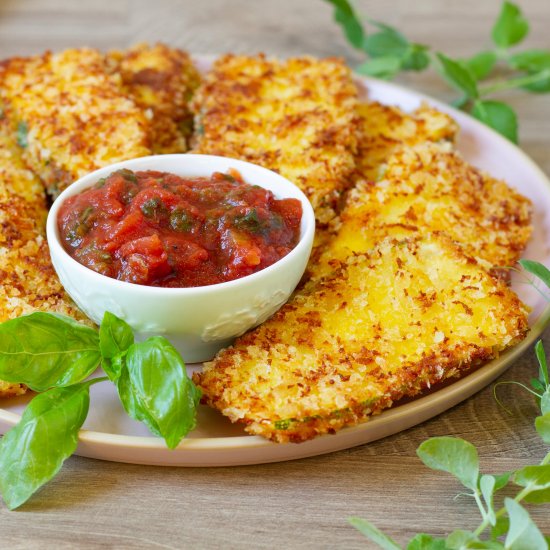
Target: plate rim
{"type": "Point", "coordinates": [465, 386]}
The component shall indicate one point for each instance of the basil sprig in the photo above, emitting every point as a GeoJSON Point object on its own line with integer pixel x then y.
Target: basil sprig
{"type": "Point", "coordinates": [55, 354]}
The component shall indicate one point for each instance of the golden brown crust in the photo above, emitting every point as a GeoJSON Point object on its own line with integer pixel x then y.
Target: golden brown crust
{"type": "Point", "coordinates": [297, 117]}
{"type": "Point", "coordinates": [385, 325]}
{"type": "Point", "coordinates": [71, 113]}
{"type": "Point", "coordinates": [161, 81]}
{"type": "Point", "coordinates": [28, 281]}
{"type": "Point", "coordinates": [429, 187]}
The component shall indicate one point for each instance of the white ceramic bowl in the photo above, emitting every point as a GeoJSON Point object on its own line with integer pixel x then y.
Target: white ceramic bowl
{"type": "Point", "coordinates": [200, 320]}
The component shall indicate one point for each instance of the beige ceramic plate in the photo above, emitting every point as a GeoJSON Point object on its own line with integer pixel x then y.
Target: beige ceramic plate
{"type": "Point", "coordinates": [110, 435]}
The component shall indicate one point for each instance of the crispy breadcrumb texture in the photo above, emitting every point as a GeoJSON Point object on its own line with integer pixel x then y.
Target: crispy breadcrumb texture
{"type": "Point", "coordinates": [70, 115]}
{"type": "Point", "coordinates": [28, 281]}
{"type": "Point", "coordinates": [426, 188]}
{"type": "Point", "coordinates": [297, 117]}
{"type": "Point", "coordinates": [384, 129]}
{"type": "Point", "coordinates": [161, 81]}
{"type": "Point", "coordinates": [384, 326]}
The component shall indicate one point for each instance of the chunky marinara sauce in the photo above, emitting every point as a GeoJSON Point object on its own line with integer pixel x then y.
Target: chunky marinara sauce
{"type": "Point", "coordinates": [159, 229]}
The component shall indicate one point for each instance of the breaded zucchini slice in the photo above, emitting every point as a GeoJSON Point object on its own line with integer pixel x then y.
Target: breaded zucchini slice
{"type": "Point", "coordinates": [28, 281]}
{"type": "Point", "coordinates": [426, 188]}
{"type": "Point", "coordinates": [386, 325]}
{"type": "Point", "coordinates": [70, 115]}
{"type": "Point", "coordinates": [384, 129]}
{"type": "Point", "coordinates": [161, 81]}
{"type": "Point", "coordinates": [297, 117]}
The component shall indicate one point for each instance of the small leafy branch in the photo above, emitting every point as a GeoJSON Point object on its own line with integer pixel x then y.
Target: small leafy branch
{"type": "Point", "coordinates": [389, 52]}
{"type": "Point", "coordinates": [55, 355]}
{"type": "Point", "coordinates": [460, 459]}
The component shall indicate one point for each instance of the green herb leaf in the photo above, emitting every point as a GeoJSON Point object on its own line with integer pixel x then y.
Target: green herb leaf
{"type": "Point", "coordinates": [501, 481]}
{"type": "Point", "coordinates": [45, 350]}
{"type": "Point", "coordinates": [374, 534]}
{"type": "Point", "coordinates": [416, 58]}
{"type": "Point", "coordinates": [33, 452]}
{"type": "Point", "coordinates": [115, 337]}
{"type": "Point", "coordinates": [538, 497]}
{"type": "Point", "coordinates": [537, 477]}
{"type": "Point", "coordinates": [511, 27]}
{"type": "Point", "coordinates": [349, 22]}
{"type": "Point", "coordinates": [542, 424]}
{"type": "Point", "coordinates": [487, 486]}
{"type": "Point", "coordinates": [460, 539]}
{"type": "Point", "coordinates": [543, 365]}
{"type": "Point", "coordinates": [523, 533]}
{"type": "Point", "coordinates": [499, 116]}
{"type": "Point", "coordinates": [545, 402]}
{"type": "Point", "coordinates": [501, 527]}
{"type": "Point", "coordinates": [537, 269]}
{"type": "Point", "coordinates": [381, 67]}
{"type": "Point", "coordinates": [537, 385]}
{"type": "Point", "coordinates": [422, 541]}
{"type": "Point", "coordinates": [534, 62]}
{"type": "Point", "coordinates": [458, 76]}
{"type": "Point", "coordinates": [158, 391]}
{"type": "Point", "coordinates": [481, 65]}
{"type": "Point", "coordinates": [22, 135]}
{"type": "Point", "coordinates": [387, 43]}
{"type": "Point", "coordinates": [452, 455]}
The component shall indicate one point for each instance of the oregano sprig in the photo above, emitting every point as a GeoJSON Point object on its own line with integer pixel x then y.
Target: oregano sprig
{"type": "Point", "coordinates": [389, 52]}
{"type": "Point", "coordinates": [55, 354]}
{"type": "Point", "coordinates": [508, 526]}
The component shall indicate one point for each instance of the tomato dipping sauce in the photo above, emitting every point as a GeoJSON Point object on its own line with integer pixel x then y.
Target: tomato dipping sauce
{"type": "Point", "coordinates": [160, 229]}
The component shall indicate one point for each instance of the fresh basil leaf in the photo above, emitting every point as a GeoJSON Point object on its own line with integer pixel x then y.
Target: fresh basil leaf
{"type": "Point", "coordinates": [160, 386]}
{"type": "Point", "coordinates": [452, 455]}
{"type": "Point", "coordinates": [374, 534]}
{"type": "Point", "coordinates": [545, 402]}
{"type": "Point", "coordinates": [487, 486]}
{"type": "Point", "coordinates": [381, 67]}
{"type": "Point", "coordinates": [387, 43]}
{"type": "Point", "coordinates": [345, 16]}
{"type": "Point", "coordinates": [416, 58]}
{"type": "Point", "coordinates": [129, 399]}
{"type": "Point", "coordinates": [481, 65]}
{"type": "Point", "coordinates": [498, 116]}
{"type": "Point", "coordinates": [115, 337]}
{"type": "Point", "coordinates": [486, 545]}
{"type": "Point", "coordinates": [542, 424]}
{"type": "Point", "coordinates": [33, 452]}
{"type": "Point", "coordinates": [45, 350]}
{"type": "Point", "coordinates": [523, 533]}
{"type": "Point", "coordinates": [543, 365]}
{"type": "Point", "coordinates": [458, 76]}
{"type": "Point", "coordinates": [510, 27]}
{"type": "Point", "coordinates": [537, 269]}
{"type": "Point", "coordinates": [422, 541]}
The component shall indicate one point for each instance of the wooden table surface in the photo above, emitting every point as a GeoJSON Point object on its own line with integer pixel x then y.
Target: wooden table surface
{"type": "Point", "coordinates": [305, 503]}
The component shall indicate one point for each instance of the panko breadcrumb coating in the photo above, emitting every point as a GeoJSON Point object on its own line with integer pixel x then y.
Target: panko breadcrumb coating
{"type": "Point", "coordinates": [71, 115]}
{"type": "Point", "coordinates": [384, 129]}
{"type": "Point", "coordinates": [386, 325]}
{"type": "Point", "coordinates": [28, 281]}
{"type": "Point", "coordinates": [161, 81]}
{"type": "Point", "coordinates": [297, 117]}
{"type": "Point", "coordinates": [426, 188]}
